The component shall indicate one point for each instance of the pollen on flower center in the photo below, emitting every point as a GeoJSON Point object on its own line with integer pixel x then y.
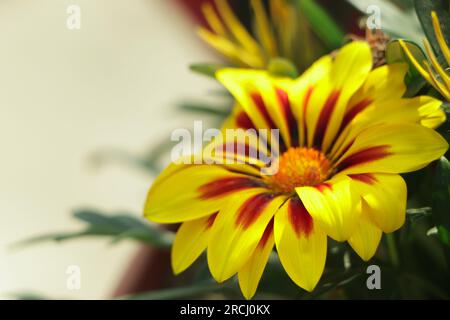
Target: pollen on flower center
{"type": "Point", "coordinates": [299, 167]}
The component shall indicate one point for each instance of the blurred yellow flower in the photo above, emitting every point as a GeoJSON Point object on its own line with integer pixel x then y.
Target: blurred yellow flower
{"type": "Point", "coordinates": [346, 134]}
{"type": "Point", "coordinates": [228, 36]}
{"type": "Point", "coordinates": [432, 71]}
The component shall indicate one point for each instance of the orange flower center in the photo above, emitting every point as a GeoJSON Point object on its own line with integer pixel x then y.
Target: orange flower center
{"type": "Point", "coordinates": [299, 167]}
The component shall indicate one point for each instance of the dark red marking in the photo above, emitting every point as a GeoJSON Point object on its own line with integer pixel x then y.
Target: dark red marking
{"type": "Point", "coordinates": [347, 147]}
{"type": "Point", "coordinates": [225, 186]}
{"type": "Point", "coordinates": [364, 156]}
{"type": "Point", "coordinates": [353, 112]}
{"type": "Point", "coordinates": [259, 102]}
{"type": "Point", "coordinates": [252, 208]}
{"type": "Point", "coordinates": [367, 178]}
{"type": "Point", "coordinates": [324, 118]}
{"type": "Point", "coordinates": [324, 186]}
{"type": "Point", "coordinates": [308, 94]}
{"type": "Point", "coordinates": [288, 115]}
{"type": "Point", "coordinates": [266, 235]}
{"type": "Point", "coordinates": [299, 217]}
{"type": "Point", "coordinates": [237, 148]}
{"type": "Point", "coordinates": [211, 220]}
{"type": "Point", "coordinates": [243, 121]}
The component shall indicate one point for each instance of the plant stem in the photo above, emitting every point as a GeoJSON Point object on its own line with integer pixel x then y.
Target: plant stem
{"type": "Point", "coordinates": [392, 249]}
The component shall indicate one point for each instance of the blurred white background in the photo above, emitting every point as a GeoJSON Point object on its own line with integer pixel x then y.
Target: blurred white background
{"type": "Point", "coordinates": [66, 93]}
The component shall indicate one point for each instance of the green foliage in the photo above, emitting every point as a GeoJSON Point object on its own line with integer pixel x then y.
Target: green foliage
{"type": "Point", "coordinates": [395, 54]}
{"type": "Point", "coordinates": [322, 24]}
{"type": "Point", "coordinates": [117, 227]}
{"type": "Point", "coordinates": [206, 69]}
{"type": "Point", "coordinates": [282, 68]}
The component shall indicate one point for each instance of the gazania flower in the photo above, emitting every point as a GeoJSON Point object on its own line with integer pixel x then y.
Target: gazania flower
{"type": "Point", "coordinates": [432, 71]}
{"type": "Point", "coordinates": [228, 35]}
{"type": "Point", "coordinates": [346, 134]}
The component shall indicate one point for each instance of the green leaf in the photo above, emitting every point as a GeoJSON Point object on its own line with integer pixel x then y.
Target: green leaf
{"type": "Point", "coordinates": [424, 9]}
{"type": "Point", "coordinates": [322, 24]}
{"type": "Point", "coordinates": [205, 109]}
{"type": "Point", "coordinates": [444, 235]}
{"type": "Point", "coordinates": [118, 227]}
{"type": "Point", "coordinates": [282, 68]}
{"type": "Point", "coordinates": [414, 87]}
{"type": "Point", "coordinates": [28, 296]}
{"type": "Point", "coordinates": [395, 21]}
{"type": "Point", "coordinates": [441, 199]}
{"type": "Point", "coordinates": [396, 54]}
{"type": "Point", "coordinates": [206, 69]}
{"type": "Point", "coordinates": [196, 290]}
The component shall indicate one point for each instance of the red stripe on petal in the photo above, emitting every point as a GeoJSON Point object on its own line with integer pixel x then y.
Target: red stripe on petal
{"type": "Point", "coordinates": [251, 209]}
{"type": "Point", "coordinates": [267, 233]}
{"type": "Point", "coordinates": [243, 121]}
{"type": "Point", "coordinates": [324, 186]}
{"type": "Point", "coordinates": [237, 148]}
{"type": "Point", "coordinates": [225, 186]}
{"type": "Point", "coordinates": [290, 119]}
{"type": "Point", "coordinates": [364, 156]}
{"type": "Point", "coordinates": [367, 178]}
{"type": "Point", "coordinates": [301, 221]}
{"type": "Point", "coordinates": [211, 220]}
{"type": "Point", "coordinates": [307, 97]}
{"type": "Point", "coordinates": [259, 102]}
{"type": "Point", "coordinates": [353, 112]}
{"type": "Point", "coordinates": [262, 108]}
{"type": "Point", "coordinates": [347, 147]}
{"type": "Point", "coordinates": [324, 118]}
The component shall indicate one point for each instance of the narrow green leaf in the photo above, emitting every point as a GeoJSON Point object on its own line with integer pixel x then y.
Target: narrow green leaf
{"type": "Point", "coordinates": [322, 24]}
{"type": "Point", "coordinates": [206, 69]}
{"type": "Point", "coordinates": [282, 68]}
{"type": "Point", "coordinates": [204, 109]}
{"type": "Point", "coordinates": [118, 227]}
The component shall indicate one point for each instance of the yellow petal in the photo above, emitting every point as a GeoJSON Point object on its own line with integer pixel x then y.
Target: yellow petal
{"type": "Point", "coordinates": [193, 192]}
{"type": "Point", "coordinates": [382, 83]}
{"type": "Point", "coordinates": [440, 37]}
{"type": "Point", "coordinates": [385, 198]}
{"type": "Point", "coordinates": [236, 27]}
{"type": "Point", "coordinates": [190, 241]}
{"type": "Point", "coordinates": [263, 28]}
{"type": "Point", "coordinates": [238, 229]}
{"type": "Point", "coordinates": [328, 102]}
{"type": "Point", "coordinates": [231, 50]}
{"type": "Point", "coordinates": [422, 110]}
{"type": "Point", "coordinates": [333, 205]}
{"type": "Point", "coordinates": [250, 274]}
{"type": "Point", "coordinates": [262, 97]}
{"type": "Point", "coordinates": [213, 20]}
{"type": "Point", "coordinates": [301, 91]}
{"type": "Point", "coordinates": [301, 245]}
{"type": "Point", "coordinates": [367, 236]}
{"type": "Point", "coordinates": [393, 148]}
